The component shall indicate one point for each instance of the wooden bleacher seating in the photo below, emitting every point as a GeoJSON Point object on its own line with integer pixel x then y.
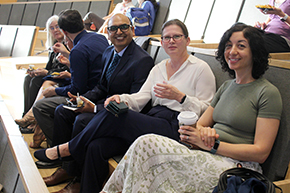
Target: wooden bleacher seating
{"type": "Point", "coordinates": [18, 172]}
{"type": "Point", "coordinates": [37, 12]}
{"type": "Point", "coordinates": [17, 41]}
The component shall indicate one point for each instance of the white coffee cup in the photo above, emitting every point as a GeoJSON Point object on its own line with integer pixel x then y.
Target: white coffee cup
{"type": "Point", "coordinates": [187, 118]}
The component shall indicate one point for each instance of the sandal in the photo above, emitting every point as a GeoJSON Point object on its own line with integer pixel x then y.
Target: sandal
{"type": "Point", "coordinates": [38, 137]}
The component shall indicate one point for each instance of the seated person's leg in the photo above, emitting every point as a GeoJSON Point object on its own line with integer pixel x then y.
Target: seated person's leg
{"type": "Point", "coordinates": [275, 43]}
{"type": "Point", "coordinates": [26, 90]}
{"type": "Point", "coordinates": [43, 111]}
{"type": "Point", "coordinates": [34, 86]}
{"type": "Point", "coordinates": [96, 168]}
{"type": "Point", "coordinates": [63, 125]}
{"type": "Point", "coordinates": [28, 118]}
{"type": "Point", "coordinates": [128, 126]}
{"type": "Point", "coordinates": [80, 123]}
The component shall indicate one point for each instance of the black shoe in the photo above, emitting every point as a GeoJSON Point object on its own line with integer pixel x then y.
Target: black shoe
{"type": "Point", "coordinates": [47, 165]}
{"type": "Point", "coordinates": [40, 155]}
{"type": "Point", "coordinates": [25, 130]}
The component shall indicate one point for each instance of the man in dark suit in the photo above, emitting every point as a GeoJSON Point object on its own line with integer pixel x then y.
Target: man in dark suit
{"type": "Point", "coordinates": [128, 76]}
{"type": "Point", "coordinates": [85, 67]}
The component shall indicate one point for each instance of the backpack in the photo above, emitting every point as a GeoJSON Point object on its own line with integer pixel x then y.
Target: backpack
{"type": "Point", "coordinates": [243, 180]}
{"type": "Point", "coordinates": [140, 20]}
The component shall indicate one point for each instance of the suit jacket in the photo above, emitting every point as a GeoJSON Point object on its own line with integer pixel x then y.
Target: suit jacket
{"type": "Point", "coordinates": [128, 77]}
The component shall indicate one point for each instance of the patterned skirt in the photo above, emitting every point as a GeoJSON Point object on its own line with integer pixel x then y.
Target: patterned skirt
{"type": "Point", "coordinates": [155, 163]}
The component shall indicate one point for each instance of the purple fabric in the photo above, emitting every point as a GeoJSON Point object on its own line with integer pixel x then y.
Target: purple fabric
{"type": "Point", "coordinates": [276, 25]}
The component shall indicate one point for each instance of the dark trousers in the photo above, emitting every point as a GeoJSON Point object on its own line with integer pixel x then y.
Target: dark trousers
{"type": "Point", "coordinates": [106, 136]}
{"type": "Point", "coordinates": [275, 43]}
{"type": "Point", "coordinates": [31, 87]}
{"type": "Point", "coordinates": [96, 168]}
{"type": "Point", "coordinates": [67, 124]}
{"type": "Point", "coordinates": [43, 111]}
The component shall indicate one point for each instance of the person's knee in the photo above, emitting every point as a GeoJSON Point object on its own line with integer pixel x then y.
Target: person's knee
{"type": "Point", "coordinates": [80, 123]}
{"type": "Point", "coordinates": [59, 110]}
{"type": "Point", "coordinates": [27, 79]}
{"type": "Point", "coordinates": [37, 105]}
{"type": "Point", "coordinates": [92, 148]}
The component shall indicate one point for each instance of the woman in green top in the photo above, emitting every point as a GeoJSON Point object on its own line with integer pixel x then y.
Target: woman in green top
{"type": "Point", "coordinates": [239, 127]}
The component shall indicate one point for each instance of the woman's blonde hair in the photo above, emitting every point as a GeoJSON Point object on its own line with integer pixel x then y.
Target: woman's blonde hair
{"type": "Point", "coordinates": [50, 39]}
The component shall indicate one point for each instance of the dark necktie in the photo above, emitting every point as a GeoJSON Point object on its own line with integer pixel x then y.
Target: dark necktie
{"type": "Point", "coordinates": [112, 66]}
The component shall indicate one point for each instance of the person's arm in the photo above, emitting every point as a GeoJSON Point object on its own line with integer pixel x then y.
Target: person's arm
{"type": "Point", "coordinates": [281, 14]}
{"type": "Point", "coordinates": [265, 135]}
{"type": "Point", "coordinates": [205, 89]}
{"type": "Point", "coordinates": [137, 101]}
{"type": "Point", "coordinates": [79, 75]}
{"type": "Point", "coordinates": [275, 11]}
{"type": "Point", "coordinates": [60, 48]}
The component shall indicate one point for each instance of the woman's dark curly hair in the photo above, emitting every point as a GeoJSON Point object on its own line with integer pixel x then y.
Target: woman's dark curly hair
{"type": "Point", "coordinates": [259, 51]}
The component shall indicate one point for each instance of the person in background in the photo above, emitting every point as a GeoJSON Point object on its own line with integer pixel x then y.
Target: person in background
{"type": "Point", "coordinates": [151, 7]}
{"type": "Point", "coordinates": [238, 128]}
{"type": "Point", "coordinates": [95, 23]}
{"type": "Point", "coordinates": [59, 80]}
{"type": "Point", "coordinates": [34, 80]}
{"type": "Point", "coordinates": [277, 26]}
{"type": "Point", "coordinates": [179, 83]}
{"type": "Point", "coordinates": [85, 67]}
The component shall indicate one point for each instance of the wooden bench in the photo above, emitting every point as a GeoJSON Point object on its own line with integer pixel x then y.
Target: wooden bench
{"type": "Point", "coordinates": [18, 172]}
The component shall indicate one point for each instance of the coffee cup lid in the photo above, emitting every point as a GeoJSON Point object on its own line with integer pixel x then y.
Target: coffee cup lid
{"type": "Point", "coordinates": [187, 115]}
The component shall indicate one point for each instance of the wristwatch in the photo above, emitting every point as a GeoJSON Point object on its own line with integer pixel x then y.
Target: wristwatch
{"type": "Point", "coordinates": [183, 99]}
{"type": "Point", "coordinates": [284, 18]}
{"type": "Point", "coordinates": [215, 147]}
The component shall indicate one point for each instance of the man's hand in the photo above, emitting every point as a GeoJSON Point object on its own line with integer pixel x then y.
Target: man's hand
{"type": "Point", "coordinates": [88, 106]}
{"type": "Point", "coordinates": [112, 98]}
{"type": "Point", "coordinates": [49, 92]}
{"type": "Point", "coordinates": [64, 60]}
{"type": "Point", "coordinates": [60, 48]}
{"type": "Point", "coordinates": [72, 97]}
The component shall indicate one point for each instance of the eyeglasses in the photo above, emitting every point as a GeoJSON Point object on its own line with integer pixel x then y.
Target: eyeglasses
{"type": "Point", "coordinates": [54, 27]}
{"type": "Point", "coordinates": [123, 28]}
{"type": "Point", "coordinates": [176, 38]}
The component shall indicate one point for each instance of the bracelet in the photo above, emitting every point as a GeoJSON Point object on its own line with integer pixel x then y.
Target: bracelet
{"type": "Point", "coordinates": [183, 99]}
{"type": "Point", "coordinates": [284, 18]}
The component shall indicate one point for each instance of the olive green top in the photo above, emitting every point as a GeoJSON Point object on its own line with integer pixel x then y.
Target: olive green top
{"type": "Point", "coordinates": [237, 106]}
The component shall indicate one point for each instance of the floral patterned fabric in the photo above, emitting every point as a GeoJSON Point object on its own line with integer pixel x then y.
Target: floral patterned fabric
{"type": "Point", "coordinates": [155, 163]}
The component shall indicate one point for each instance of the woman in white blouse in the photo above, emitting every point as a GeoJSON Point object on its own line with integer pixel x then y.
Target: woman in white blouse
{"type": "Point", "coordinates": [180, 83]}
